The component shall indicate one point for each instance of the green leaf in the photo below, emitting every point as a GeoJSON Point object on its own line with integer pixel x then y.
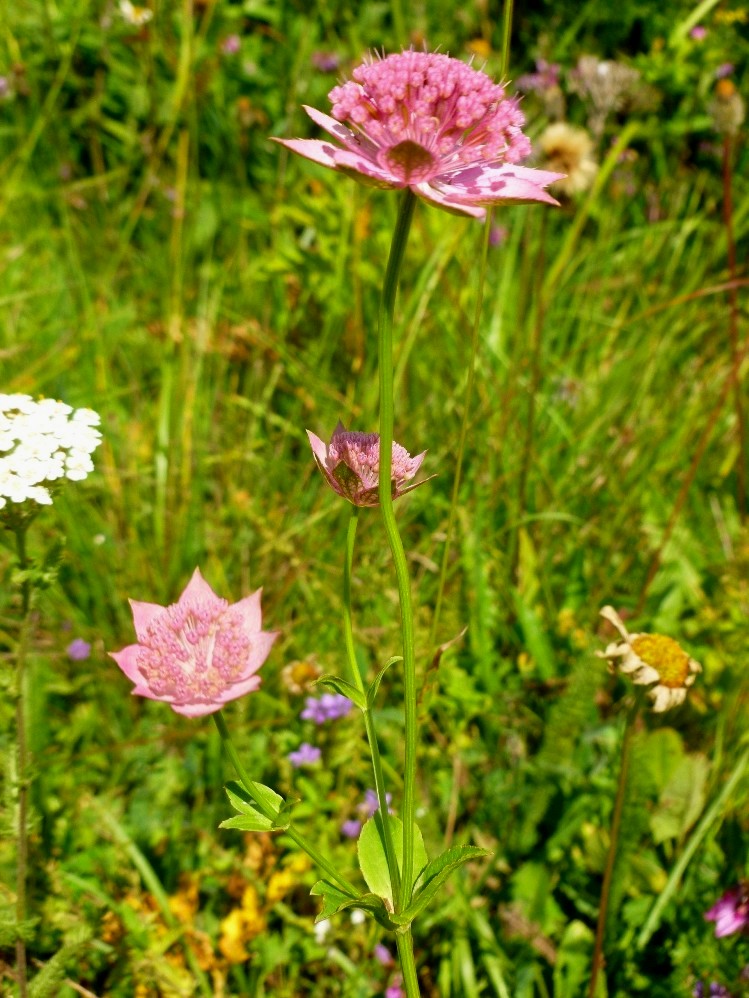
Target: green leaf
{"type": "Point", "coordinates": [249, 818]}
{"type": "Point", "coordinates": [682, 800]}
{"type": "Point", "coordinates": [373, 858]}
{"type": "Point", "coordinates": [435, 875]}
{"type": "Point", "coordinates": [374, 686]}
{"type": "Point", "coordinates": [345, 688]}
{"type": "Point", "coordinates": [334, 900]}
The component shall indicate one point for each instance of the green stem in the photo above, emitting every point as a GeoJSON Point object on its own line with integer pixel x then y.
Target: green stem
{"type": "Point", "coordinates": [616, 822]}
{"type": "Point", "coordinates": [385, 344]}
{"type": "Point", "coordinates": [463, 432]}
{"type": "Point", "coordinates": [506, 36]}
{"type": "Point", "coordinates": [252, 789]}
{"type": "Point", "coordinates": [405, 943]}
{"type": "Point", "coordinates": [22, 841]}
{"type": "Point", "coordinates": [374, 748]}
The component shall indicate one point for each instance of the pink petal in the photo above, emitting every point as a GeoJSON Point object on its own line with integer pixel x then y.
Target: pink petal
{"type": "Point", "coordinates": [439, 200]}
{"type": "Point", "coordinates": [359, 166]}
{"type": "Point", "coordinates": [237, 690]}
{"type": "Point", "coordinates": [143, 615]}
{"type": "Point", "coordinates": [497, 185]}
{"type": "Point", "coordinates": [261, 646]}
{"type": "Point", "coordinates": [197, 590]}
{"type": "Point", "coordinates": [249, 610]}
{"type": "Point", "coordinates": [318, 151]}
{"type": "Point", "coordinates": [318, 448]}
{"type": "Point", "coordinates": [196, 709]}
{"type": "Point", "coordinates": [350, 140]}
{"type": "Point", "coordinates": [127, 660]}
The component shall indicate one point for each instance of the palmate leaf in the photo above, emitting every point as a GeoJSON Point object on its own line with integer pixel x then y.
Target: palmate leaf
{"type": "Point", "coordinates": [434, 875]}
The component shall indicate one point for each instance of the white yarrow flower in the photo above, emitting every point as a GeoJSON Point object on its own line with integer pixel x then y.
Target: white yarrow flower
{"type": "Point", "coordinates": [41, 442]}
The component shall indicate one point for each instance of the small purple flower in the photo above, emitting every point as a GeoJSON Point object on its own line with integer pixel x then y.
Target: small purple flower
{"type": "Point", "coordinates": [231, 44]}
{"type": "Point", "coordinates": [328, 707]}
{"type": "Point", "coordinates": [698, 33]}
{"type": "Point", "coordinates": [370, 805]}
{"type": "Point", "coordinates": [545, 77]}
{"type": "Point", "coordinates": [351, 828]}
{"type": "Point", "coordinates": [395, 988]}
{"type": "Point", "coordinates": [731, 912]}
{"type": "Point", "coordinates": [4, 86]}
{"type": "Point", "coordinates": [725, 69]}
{"type": "Point", "coordinates": [305, 755]}
{"type": "Point", "coordinates": [325, 62]}
{"type": "Point", "coordinates": [498, 235]}
{"type": "Point", "coordinates": [383, 955]}
{"type": "Point", "coordinates": [78, 650]}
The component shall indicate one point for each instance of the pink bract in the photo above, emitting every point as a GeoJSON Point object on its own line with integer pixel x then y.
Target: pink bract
{"type": "Point", "coordinates": [200, 652]}
{"type": "Point", "coordinates": [351, 465]}
{"type": "Point", "coordinates": [429, 122]}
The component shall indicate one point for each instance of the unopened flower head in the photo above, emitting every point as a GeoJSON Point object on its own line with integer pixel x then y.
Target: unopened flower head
{"type": "Point", "coordinates": [41, 443]}
{"type": "Point", "coordinates": [727, 110]}
{"type": "Point", "coordinates": [351, 465]}
{"type": "Point", "coordinates": [570, 150]}
{"type": "Point", "coordinates": [200, 652]}
{"type": "Point", "coordinates": [651, 660]}
{"type": "Point", "coordinates": [431, 123]}
{"type": "Point", "coordinates": [731, 912]}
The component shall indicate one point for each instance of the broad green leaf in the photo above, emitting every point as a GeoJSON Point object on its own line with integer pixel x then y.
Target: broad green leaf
{"type": "Point", "coordinates": [344, 687]}
{"type": "Point", "coordinates": [682, 800]}
{"type": "Point", "coordinates": [435, 875]}
{"type": "Point", "coordinates": [334, 900]}
{"type": "Point", "coordinates": [373, 858]}
{"type": "Point", "coordinates": [374, 686]}
{"type": "Point", "coordinates": [241, 800]}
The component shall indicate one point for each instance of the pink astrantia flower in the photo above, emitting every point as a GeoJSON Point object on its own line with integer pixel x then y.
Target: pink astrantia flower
{"type": "Point", "coordinates": [731, 912]}
{"type": "Point", "coordinates": [198, 653]}
{"type": "Point", "coordinates": [426, 121]}
{"type": "Point", "coordinates": [351, 464]}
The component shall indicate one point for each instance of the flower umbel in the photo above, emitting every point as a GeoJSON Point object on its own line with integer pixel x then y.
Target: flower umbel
{"type": "Point", "coordinates": [42, 442]}
{"type": "Point", "coordinates": [426, 121]}
{"type": "Point", "coordinates": [731, 912]}
{"type": "Point", "coordinates": [651, 660]}
{"type": "Point", "coordinates": [351, 465]}
{"type": "Point", "coordinates": [200, 652]}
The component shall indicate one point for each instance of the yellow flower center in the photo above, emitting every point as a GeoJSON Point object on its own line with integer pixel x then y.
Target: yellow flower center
{"type": "Point", "coordinates": [665, 656]}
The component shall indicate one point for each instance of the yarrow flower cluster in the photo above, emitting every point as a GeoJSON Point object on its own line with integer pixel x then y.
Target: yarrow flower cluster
{"type": "Point", "coordinates": [42, 442]}
{"type": "Point", "coordinates": [431, 123]}
{"type": "Point", "coordinates": [200, 652]}
{"type": "Point", "coordinates": [652, 660]}
{"type": "Point", "coordinates": [351, 465]}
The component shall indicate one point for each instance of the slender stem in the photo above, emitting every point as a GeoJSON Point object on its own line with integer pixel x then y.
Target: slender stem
{"type": "Point", "coordinates": [734, 325]}
{"type": "Point", "coordinates": [252, 789]}
{"type": "Point", "coordinates": [463, 433]}
{"type": "Point", "coordinates": [22, 841]}
{"type": "Point", "coordinates": [616, 822]}
{"type": "Point", "coordinates": [374, 748]}
{"type": "Point", "coordinates": [506, 37]}
{"type": "Point", "coordinates": [405, 943]}
{"type": "Point", "coordinates": [385, 330]}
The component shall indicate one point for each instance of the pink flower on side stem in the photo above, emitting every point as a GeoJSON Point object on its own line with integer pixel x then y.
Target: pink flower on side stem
{"type": "Point", "coordinates": [351, 465]}
{"type": "Point", "coordinates": [426, 121]}
{"type": "Point", "coordinates": [731, 912]}
{"type": "Point", "coordinates": [200, 652]}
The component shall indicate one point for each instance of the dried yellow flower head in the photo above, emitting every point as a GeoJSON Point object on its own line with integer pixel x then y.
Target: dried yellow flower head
{"type": "Point", "coordinates": [652, 660]}
{"type": "Point", "coordinates": [568, 149]}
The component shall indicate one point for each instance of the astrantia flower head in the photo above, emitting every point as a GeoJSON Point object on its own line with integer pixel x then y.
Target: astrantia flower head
{"type": "Point", "coordinates": [351, 465]}
{"type": "Point", "coordinates": [200, 652]}
{"type": "Point", "coordinates": [731, 912]}
{"type": "Point", "coordinates": [426, 121]}
{"type": "Point", "coordinates": [651, 660]}
{"type": "Point", "coordinates": [42, 442]}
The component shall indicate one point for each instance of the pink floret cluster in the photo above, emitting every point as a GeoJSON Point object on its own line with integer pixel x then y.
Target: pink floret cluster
{"type": "Point", "coordinates": [454, 112]}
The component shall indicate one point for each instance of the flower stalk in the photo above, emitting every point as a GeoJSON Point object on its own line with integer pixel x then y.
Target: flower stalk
{"type": "Point", "coordinates": [22, 760]}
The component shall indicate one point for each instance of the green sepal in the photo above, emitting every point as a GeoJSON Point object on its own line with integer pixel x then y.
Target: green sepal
{"type": "Point", "coordinates": [374, 686]}
{"type": "Point", "coordinates": [334, 900]}
{"type": "Point", "coordinates": [344, 687]}
{"type": "Point", "coordinates": [434, 876]}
